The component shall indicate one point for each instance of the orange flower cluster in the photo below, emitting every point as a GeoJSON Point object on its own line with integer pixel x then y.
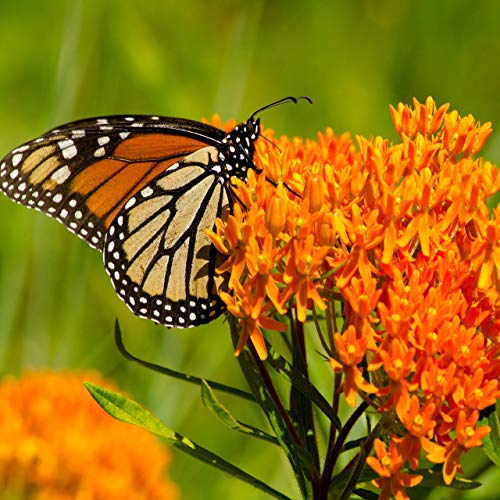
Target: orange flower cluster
{"type": "Point", "coordinates": [57, 443]}
{"type": "Point", "coordinates": [400, 236]}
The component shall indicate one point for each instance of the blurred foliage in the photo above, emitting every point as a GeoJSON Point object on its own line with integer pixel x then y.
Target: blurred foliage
{"type": "Point", "coordinates": [62, 60]}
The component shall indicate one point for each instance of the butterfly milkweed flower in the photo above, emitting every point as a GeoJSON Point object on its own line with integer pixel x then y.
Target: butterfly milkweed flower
{"type": "Point", "coordinates": [391, 250]}
{"type": "Point", "coordinates": [57, 443]}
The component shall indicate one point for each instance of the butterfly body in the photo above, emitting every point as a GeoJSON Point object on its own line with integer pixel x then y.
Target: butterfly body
{"type": "Point", "coordinates": [142, 190]}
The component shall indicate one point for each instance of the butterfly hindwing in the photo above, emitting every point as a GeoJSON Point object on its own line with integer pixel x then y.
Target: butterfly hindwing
{"type": "Point", "coordinates": [156, 251]}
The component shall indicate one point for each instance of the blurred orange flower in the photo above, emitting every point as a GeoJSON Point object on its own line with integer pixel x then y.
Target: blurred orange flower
{"type": "Point", "coordinates": [57, 443]}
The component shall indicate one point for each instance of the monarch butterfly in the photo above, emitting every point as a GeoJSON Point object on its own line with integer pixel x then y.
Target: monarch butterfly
{"type": "Point", "coordinates": [142, 190]}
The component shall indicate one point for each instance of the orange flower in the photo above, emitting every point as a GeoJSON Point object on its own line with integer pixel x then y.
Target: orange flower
{"type": "Point", "coordinates": [57, 443]}
{"type": "Point", "coordinates": [241, 305]}
{"type": "Point", "coordinates": [351, 352]}
{"type": "Point", "coordinates": [467, 437]}
{"type": "Point", "coordinates": [392, 244]}
{"type": "Point", "coordinates": [388, 465]}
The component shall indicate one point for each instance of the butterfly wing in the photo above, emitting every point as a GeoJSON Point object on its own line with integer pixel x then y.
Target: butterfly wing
{"type": "Point", "coordinates": [156, 251]}
{"type": "Point", "coordinates": [84, 172]}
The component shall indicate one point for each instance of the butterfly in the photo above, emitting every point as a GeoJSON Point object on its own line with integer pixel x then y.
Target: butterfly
{"type": "Point", "coordinates": [142, 190]}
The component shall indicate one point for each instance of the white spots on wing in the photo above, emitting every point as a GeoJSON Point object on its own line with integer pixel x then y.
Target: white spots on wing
{"type": "Point", "coordinates": [106, 127]}
{"type": "Point", "coordinates": [77, 133]}
{"type": "Point", "coordinates": [124, 135]}
{"type": "Point", "coordinates": [14, 173]}
{"type": "Point", "coordinates": [147, 191]}
{"type": "Point", "coordinates": [130, 203]}
{"type": "Point", "coordinates": [68, 148]}
{"type": "Point", "coordinates": [21, 186]}
{"type": "Point", "coordinates": [61, 174]}
{"type": "Point", "coordinates": [72, 203]}
{"type": "Point", "coordinates": [129, 118]}
{"type": "Point", "coordinates": [155, 117]}
{"type": "Point", "coordinates": [102, 121]}
{"type": "Point", "coordinates": [16, 159]}
{"type": "Point", "coordinates": [138, 124]}
{"type": "Point", "coordinates": [57, 198]}
{"type": "Point", "coordinates": [99, 152]}
{"type": "Point", "coordinates": [63, 214]}
{"type": "Point", "coordinates": [103, 140]}
{"type": "Point", "coordinates": [111, 246]}
{"type": "Point", "coordinates": [21, 149]}
{"type": "Point", "coordinates": [78, 214]}
{"type": "Point", "coordinates": [70, 152]}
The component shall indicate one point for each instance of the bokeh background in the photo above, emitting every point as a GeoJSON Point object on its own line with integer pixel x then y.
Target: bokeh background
{"type": "Point", "coordinates": [62, 60]}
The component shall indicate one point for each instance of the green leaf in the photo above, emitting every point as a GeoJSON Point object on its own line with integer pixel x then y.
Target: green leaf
{"type": "Point", "coordinates": [434, 478]}
{"type": "Point", "coordinates": [301, 409]}
{"type": "Point", "coordinates": [365, 494]}
{"type": "Point", "coordinates": [212, 403]}
{"type": "Point", "coordinates": [302, 384]}
{"type": "Point", "coordinates": [126, 410]}
{"type": "Point", "coordinates": [491, 443]}
{"type": "Point", "coordinates": [234, 391]}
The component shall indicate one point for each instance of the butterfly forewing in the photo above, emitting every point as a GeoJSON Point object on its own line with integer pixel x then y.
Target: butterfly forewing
{"type": "Point", "coordinates": [157, 253]}
{"type": "Point", "coordinates": [84, 172]}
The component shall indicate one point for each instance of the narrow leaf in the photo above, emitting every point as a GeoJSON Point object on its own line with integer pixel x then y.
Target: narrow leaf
{"type": "Point", "coordinates": [491, 443]}
{"type": "Point", "coordinates": [433, 478]}
{"type": "Point", "coordinates": [212, 403]}
{"type": "Point", "coordinates": [285, 369]}
{"type": "Point", "coordinates": [126, 410]}
{"type": "Point", "coordinates": [234, 391]}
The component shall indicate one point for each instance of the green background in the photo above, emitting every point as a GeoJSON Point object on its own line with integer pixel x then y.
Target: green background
{"type": "Point", "coordinates": [63, 60]}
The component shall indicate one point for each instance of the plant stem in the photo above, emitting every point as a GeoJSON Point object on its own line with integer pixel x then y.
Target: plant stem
{"type": "Point", "coordinates": [335, 448]}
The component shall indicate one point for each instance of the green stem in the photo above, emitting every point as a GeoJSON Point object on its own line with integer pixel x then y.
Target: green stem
{"type": "Point", "coordinates": [301, 405]}
{"type": "Point", "coordinates": [335, 448]}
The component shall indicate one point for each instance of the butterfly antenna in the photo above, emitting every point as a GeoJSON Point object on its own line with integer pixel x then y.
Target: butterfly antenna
{"type": "Point", "coordinates": [281, 101]}
{"type": "Point", "coordinates": [270, 142]}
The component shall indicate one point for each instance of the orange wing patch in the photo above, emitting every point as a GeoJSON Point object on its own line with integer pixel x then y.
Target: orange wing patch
{"type": "Point", "coordinates": [155, 146]}
{"type": "Point", "coordinates": [133, 164]}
